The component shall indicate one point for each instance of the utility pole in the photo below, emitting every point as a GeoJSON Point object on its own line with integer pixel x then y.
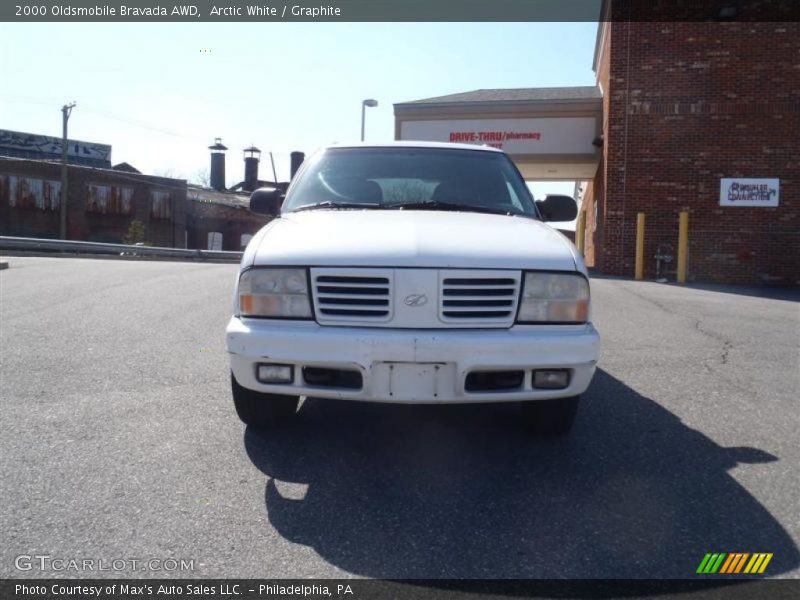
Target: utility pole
{"type": "Point", "coordinates": [66, 111]}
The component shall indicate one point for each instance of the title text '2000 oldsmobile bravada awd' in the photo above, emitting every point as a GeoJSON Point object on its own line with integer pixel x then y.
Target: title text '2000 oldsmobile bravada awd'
{"type": "Point", "coordinates": [412, 273]}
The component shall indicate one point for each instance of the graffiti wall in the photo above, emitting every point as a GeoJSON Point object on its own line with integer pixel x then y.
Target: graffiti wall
{"type": "Point", "coordinates": [29, 145]}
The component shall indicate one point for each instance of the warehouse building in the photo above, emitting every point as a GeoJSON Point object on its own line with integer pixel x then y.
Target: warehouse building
{"type": "Point", "coordinates": [103, 201]}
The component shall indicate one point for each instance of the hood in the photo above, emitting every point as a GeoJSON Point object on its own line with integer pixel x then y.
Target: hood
{"type": "Point", "coordinates": [411, 238]}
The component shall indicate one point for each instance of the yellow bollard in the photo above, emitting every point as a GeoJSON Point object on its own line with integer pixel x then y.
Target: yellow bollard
{"type": "Point", "coordinates": [580, 232]}
{"type": "Point", "coordinates": [640, 246]}
{"type": "Point", "coordinates": [683, 245]}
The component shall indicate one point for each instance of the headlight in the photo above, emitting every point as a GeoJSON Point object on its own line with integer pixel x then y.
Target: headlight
{"type": "Point", "coordinates": [274, 293]}
{"type": "Point", "coordinates": [554, 298]}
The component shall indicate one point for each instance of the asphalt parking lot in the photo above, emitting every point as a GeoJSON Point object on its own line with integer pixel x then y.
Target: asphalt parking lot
{"type": "Point", "coordinates": [120, 441]}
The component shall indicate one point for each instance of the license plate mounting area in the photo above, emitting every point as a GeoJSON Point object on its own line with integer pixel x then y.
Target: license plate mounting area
{"type": "Point", "coordinates": [414, 382]}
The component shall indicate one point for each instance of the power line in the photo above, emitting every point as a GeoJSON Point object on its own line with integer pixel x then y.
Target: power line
{"type": "Point", "coordinates": [88, 108]}
{"type": "Point", "coordinates": [141, 124]}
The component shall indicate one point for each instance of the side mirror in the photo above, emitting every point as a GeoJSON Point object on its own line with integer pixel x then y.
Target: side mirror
{"type": "Point", "coordinates": [558, 208]}
{"type": "Point", "coordinates": [266, 201]}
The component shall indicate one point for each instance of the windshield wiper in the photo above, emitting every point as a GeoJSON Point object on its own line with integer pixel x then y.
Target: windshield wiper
{"type": "Point", "coordinates": [331, 204]}
{"type": "Point", "coordinates": [439, 205]}
{"type": "Point", "coordinates": [423, 204]}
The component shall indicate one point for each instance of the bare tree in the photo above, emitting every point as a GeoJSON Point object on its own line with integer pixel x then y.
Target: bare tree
{"type": "Point", "coordinates": [201, 177]}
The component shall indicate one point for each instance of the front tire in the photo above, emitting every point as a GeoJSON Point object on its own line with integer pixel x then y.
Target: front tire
{"type": "Point", "coordinates": [550, 417]}
{"type": "Point", "coordinates": [259, 409]}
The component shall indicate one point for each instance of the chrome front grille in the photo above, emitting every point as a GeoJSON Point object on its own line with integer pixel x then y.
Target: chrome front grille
{"type": "Point", "coordinates": [407, 298]}
{"type": "Point", "coordinates": [479, 297]}
{"type": "Point", "coordinates": [344, 296]}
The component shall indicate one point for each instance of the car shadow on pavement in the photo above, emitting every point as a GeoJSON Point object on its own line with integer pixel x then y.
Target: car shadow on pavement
{"type": "Point", "coordinates": [463, 492]}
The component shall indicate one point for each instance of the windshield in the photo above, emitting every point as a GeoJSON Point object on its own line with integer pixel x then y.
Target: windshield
{"type": "Point", "coordinates": [407, 178]}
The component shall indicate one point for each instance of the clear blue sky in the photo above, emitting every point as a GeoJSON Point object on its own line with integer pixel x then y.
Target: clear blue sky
{"type": "Point", "coordinates": [149, 91]}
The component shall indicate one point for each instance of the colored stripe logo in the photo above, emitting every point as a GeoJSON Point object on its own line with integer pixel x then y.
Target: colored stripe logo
{"type": "Point", "coordinates": [734, 562]}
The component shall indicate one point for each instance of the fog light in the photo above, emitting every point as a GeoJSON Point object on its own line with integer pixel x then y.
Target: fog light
{"type": "Point", "coordinates": [275, 373]}
{"type": "Point", "coordinates": [551, 380]}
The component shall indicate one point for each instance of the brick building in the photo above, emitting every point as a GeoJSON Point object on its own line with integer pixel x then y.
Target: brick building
{"type": "Point", "coordinates": [101, 203]}
{"type": "Point", "coordinates": [220, 220]}
{"type": "Point", "coordinates": [686, 105]}
{"type": "Point", "coordinates": [684, 116]}
{"type": "Point", "coordinates": [219, 217]}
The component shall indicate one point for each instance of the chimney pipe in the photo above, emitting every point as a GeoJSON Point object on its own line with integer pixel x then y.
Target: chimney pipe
{"type": "Point", "coordinates": [297, 159]}
{"type": "Point", "coordinates": [252, 156]}
{"type": "Point", "coordinates": [217, 178]}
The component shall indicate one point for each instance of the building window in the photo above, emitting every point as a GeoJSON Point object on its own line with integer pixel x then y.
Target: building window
{"type": "Point", "coordinates": [245, 239]}
{"type": "Point", "coordinates": [29, 192]}
{"type": "Point", "coordinates": [109, 199]}
{"type": "Point", "coordinates": [214, 240]}
{"type": "Point", "coordinates": [160, 205]}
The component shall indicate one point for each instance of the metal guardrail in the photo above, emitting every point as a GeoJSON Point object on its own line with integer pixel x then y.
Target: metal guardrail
{"type": "Point", "coordinates": [47, 245]}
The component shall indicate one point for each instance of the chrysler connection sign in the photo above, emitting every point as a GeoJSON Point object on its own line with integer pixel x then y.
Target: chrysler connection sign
{"type": "Point", "coordinates": [749, 192]}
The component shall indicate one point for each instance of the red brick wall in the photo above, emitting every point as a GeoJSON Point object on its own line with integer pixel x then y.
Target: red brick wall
{"type": "Point", "coordinates": [85, 225]}
{"type": "Point", "coordinates": [594, 199]}
{"type": "Point", "coordinates": [687, 104]}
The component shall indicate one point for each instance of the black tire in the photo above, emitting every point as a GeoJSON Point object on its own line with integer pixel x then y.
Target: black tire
{"type": "Point", "coordinates": [550, 417]}
{"type": "Point", "coordinates": [259, 409]}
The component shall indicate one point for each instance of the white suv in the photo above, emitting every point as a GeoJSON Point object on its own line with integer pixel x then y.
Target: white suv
{"type": "Point", "coordinates": [411, 273]}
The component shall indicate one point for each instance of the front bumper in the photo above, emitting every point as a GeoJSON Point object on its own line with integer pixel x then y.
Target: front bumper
{"type": "Point", "coordinates": [412, 366]}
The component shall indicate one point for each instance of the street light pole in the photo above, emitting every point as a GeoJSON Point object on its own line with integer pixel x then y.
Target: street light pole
{"type": "Point", "coordinates": [364, 104]}
{"type": "Point", "coordinates": [66, 111]}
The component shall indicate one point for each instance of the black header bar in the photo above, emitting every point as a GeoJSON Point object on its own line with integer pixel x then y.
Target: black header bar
{"type": "Point", "coordinates": [398, 10]}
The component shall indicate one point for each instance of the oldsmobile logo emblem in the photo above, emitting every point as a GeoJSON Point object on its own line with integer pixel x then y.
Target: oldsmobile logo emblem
{"type": "Point", "coordinates": [415, 300]}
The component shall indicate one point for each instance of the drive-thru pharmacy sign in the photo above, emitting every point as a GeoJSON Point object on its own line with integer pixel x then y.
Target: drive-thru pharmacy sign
{"type": "Point", "coordinates": [557, 135]}
{"type": "Point", "coordinates": [749, 192]}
